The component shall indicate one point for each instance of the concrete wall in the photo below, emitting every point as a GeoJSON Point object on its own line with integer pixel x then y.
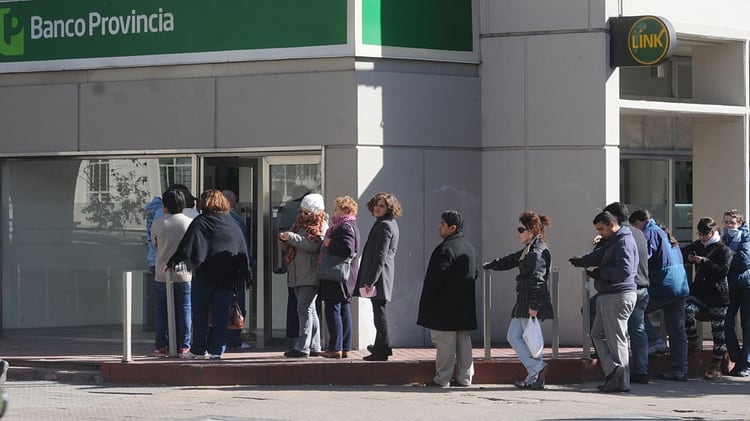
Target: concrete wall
{"type": "Point", "coordinates": [550, 119]}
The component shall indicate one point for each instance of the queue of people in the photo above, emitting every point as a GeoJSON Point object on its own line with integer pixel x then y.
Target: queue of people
{"type": "Point", "coordinates": [636, 264]}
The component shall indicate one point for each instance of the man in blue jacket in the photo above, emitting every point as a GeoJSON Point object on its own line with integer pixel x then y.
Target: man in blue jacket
{"type": "Point", "coordinates": [614, 280]}
{"type": "Point", "coordinates": [668, 291]}
{"type": "Point", "coordinates": [737, 238]}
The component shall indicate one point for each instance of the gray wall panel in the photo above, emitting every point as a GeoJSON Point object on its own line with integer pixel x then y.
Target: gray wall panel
{"type": "Point", "coordinates": [418, 109]}
{"type": "Point", "coordinates": [153, 114]}
{"type": "Point", "coordinates": [303, 109]}
{"type": "Point", "coordinates": [38, 118]}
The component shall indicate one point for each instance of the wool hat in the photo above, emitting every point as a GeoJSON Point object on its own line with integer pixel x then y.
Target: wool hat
{"type": "Point", "coordinates": [313, 202]}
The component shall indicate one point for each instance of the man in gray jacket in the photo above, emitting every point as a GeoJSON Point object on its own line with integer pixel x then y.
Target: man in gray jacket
{"type": "Point", "coordinates": [614, 280]}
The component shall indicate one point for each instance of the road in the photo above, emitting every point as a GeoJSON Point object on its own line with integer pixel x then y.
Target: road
{"type": "Point", "coordinates": [696, 399]}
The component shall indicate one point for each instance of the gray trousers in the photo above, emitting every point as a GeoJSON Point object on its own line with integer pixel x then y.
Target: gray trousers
{"type": "Point", "coordinates": [309, 323]}
{"type": "Point", "coordinates": [610, 332]}
{"type": "Point", "coordinates": [452, 347]}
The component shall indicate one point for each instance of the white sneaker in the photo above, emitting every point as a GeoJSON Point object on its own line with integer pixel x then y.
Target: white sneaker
{"type": "Point", "coordinates": [245, 345]}
{"type": "Point", "coordinates": [215, 356]}
{"type": "Point", "coordinates": [190, 356]}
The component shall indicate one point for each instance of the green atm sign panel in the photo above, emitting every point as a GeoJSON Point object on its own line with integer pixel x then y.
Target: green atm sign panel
{"type": "Point", "coordinates": [41, 30]}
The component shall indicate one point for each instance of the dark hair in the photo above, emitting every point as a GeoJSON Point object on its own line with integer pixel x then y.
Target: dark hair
{"type": "Point", "coordinates": [189, 198]}
{"type": "Point", "coordinates": [672, 240]}
{"type": "Point", "coordinates": [706, 225]}
{"type": "Point", "coordinates": [173, 200]}
{"type": "Point", "coordinates": [391, 203]}
{"type": "Point", "coordinates": [606, 218]}
{"type": "Point", "coordinates": [534, 222]}
{"type": "Point", "coordinates": [640, 215]}
{"type": "Point", "coordinates": [451, 218]}
{"type": "Point", "coordinates": [618, 210]}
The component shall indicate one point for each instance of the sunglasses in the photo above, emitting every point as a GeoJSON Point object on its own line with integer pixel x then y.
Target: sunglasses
{"type": "Point", "coordinates": [521, 230]}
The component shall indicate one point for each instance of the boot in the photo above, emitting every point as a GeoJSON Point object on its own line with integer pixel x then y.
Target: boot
{"type": "Point", "coordinates": [714, 371]}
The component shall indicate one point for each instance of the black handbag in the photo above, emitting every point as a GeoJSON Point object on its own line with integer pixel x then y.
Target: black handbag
{"type": "Point", "coordinates": [334, 268]}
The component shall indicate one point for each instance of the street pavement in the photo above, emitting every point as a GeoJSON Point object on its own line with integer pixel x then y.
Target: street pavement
{"type": "Point", "coordinates": [728, 398]}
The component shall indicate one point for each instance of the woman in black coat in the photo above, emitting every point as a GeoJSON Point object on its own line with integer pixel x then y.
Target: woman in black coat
{"type": "Point", "coordinates": [342, 240]}
{"type": "Point", "coordinates": [532, 292]}
{"type": "Point", "coordinates": [709, 292]}
{"type": "Point", "coordinates": [377, 267]}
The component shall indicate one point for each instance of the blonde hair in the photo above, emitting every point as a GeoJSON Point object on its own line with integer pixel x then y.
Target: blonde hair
{"type": "Point", "coordinates": [213, 200]}
{"type": "Point", "coordinates": [347, 204]}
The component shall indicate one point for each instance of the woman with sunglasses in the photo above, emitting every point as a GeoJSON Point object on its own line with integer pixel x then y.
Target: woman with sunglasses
{"type": "Point", "coordinates": [532, 292]}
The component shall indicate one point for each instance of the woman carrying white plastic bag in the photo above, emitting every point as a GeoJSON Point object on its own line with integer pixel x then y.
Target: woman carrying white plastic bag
{"type": "Point", "coordinates": [533, 302]}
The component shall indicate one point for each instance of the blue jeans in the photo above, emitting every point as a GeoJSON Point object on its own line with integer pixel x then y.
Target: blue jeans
{"type": "Point", "coordinates": [637, 333]}
{"type": "Point", "coordinates": [515, 338]}
{"type": "Point", "coordinates": [674, 318]}
{"type": "Point", "coordinates": [339, 319]}
{"type": "Point", "coordinates": [309, 324]}
{"type": "Point", "coordinates": [234, 336]}
{"type": "Point", "coordinates": [739, 300]}
{"type": "Point", "coordinates": [182, 310]}
{"type": "Point", "coordinates": [208, 296]}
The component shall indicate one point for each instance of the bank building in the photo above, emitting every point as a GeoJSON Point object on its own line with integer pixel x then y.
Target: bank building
{"type": "Point", "coordinates": [488, 107]}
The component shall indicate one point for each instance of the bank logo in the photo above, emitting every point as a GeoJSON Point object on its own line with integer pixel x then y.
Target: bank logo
{"type": "Point", "coordinates": [11, 34]}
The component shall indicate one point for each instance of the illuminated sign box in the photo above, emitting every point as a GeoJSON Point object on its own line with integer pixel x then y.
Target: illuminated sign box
{"type": "Point", "coordinates": [640, 41]}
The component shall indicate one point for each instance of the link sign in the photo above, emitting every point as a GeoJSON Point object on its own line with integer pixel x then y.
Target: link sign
{"type": "Point", "coordinates": [640, 41]}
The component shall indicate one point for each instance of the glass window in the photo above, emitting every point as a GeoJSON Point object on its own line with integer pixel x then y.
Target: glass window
{"type": "Point", "coordinates": [70, 228]}
{"type": "Point", "coordinates": [670, 79]}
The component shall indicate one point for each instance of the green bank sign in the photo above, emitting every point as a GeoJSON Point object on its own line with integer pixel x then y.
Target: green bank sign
{"type": "Point", "coordinates": [49, 30]}
{"type": "Point", "coordinates": [641, 40]}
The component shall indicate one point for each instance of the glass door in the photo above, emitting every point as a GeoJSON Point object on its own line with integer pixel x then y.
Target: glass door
{"type": "Point", "coordinates": [239, 175]}
{"type": "Point", "coordinates": [286, 179]}
{"type": "Point", "coordinates": [664, 186]}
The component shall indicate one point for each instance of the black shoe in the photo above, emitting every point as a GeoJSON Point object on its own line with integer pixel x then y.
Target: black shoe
{"type": "Point", "coordinates": [455, 383]}
{"type": "Point", "coordinates": [374, 357]}
{"type": "Point", "coordinates": [433, 383]}
{"type": "Point", "coordinates": [673, 377]}
{"type": "Point", "coordinates": [315, 353]}
{"type": "Point", "coordinates": [538, 382]}
{"type": "Point", "coordinates": [613, 381]}
{"type": "Point", "coordinates": [735, 371]}
{"type": "Point", "coordinates": [371, 348]}
{"type": "Point", "coordinates": [639, 378]}
{"type": "Point", "coordinates": [293, 353]}
{"type": "Point", "coordinates": [603, 388]}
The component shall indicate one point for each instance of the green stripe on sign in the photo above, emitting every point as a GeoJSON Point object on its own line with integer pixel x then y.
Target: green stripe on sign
{"type": "Point", "coordinates": [430, 24]}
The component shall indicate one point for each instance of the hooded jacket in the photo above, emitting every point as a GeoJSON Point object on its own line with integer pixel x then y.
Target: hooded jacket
{"type": "Point", "coordinates": [739, 270]}
{"type": "Point", "coordinates": [666, 270]}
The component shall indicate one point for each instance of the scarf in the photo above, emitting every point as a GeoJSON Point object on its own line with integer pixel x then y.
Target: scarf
{"type": "Point", "coordinates": [714, 239]}
{"type": "Point", "coordinates": [337, 222]}
{"type": "Point", "coordinates": [732, 238]}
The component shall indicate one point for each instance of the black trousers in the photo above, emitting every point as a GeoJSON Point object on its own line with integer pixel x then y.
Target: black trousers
{"type": "Point", "coordinates": [382, 345]}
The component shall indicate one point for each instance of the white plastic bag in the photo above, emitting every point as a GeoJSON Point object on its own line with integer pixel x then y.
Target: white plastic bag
{"type": "Point", "coordinates": [533, 337]}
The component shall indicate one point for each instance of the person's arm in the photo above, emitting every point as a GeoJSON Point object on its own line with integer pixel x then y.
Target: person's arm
{"type": "Point", "coordinates": [382, 243]}
{"type": "Point", "coordinates": [342, 242]}
{"type": "Point", "coordinates": [504, 263]}
{"type": "Point", "coordinates": [303, 242]}
{"type": "Point", "coordinates": [536, 282]}
{"type": "Point", "coordinates": [437, 273]}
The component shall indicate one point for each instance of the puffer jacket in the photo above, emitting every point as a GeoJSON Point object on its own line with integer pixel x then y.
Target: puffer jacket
{"type": "Point", "coordinates": [666, 271]}
{"type": "Point", "coordinates": [739, 270]}
{"type": "Point", "coordinates": [303, 269]}
{"type": "Point", "coordinates": [532, 291]}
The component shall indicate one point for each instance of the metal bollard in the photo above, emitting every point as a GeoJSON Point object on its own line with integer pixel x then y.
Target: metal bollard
{"type": "Point", "coordinates": [555, 293]}
{"type": "Point", "coordinates": [586, 316]}
{"type": "Point", "coordinates": [127, 311]}
{"type": "Point", "coordinates": [171, 329]}
{"type": "Point", "coordinates": [487, 278]}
